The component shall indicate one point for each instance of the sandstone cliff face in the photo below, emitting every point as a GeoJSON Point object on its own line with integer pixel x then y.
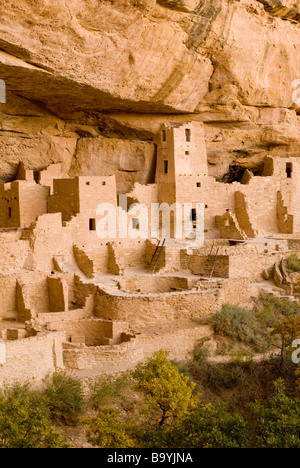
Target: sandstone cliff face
{"type": "Point", "coordinates": [90, 81]}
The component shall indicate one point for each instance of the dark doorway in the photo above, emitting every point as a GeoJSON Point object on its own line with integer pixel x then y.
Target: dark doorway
{"type": "Point", "coordinates": [92, 225]}
{"type": "Point", "coordinates": [289, 170]}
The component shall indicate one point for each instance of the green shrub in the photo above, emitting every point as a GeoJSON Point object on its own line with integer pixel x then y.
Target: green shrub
{"type": "Point", "coordinates": [272, 308]}
{"type": "Point", "coordinates": [108, 431]}
{"type": "Point", "coordinates": [207, 426]}
{"type": "Point", "coordinates": [200, 353]}
{"type": "Point", "coordinates": [104, 392]}
{"type": "Point", "coordinates": [216, 377]}
{"type": "Point", "coordinates": [25, 421]}
{"type": "Point", "coordinates": [276, 424]}
{"type": "Point", "coordinates": [64, 397]}
{"type": "Point", "coordinates": [273, 423]}
{"type": "Point", "coordinates": [293, 263]}
{"type": "Point", "coordinates": [241, 325]}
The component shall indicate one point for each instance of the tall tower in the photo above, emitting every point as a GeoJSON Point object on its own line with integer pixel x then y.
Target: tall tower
{"type": "Point", "coordinates": [181, 167]}
{"type": "Point", "coordinates": [181, 163]}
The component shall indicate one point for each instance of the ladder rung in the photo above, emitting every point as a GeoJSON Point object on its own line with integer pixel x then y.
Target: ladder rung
{"type": "Point", "coordinates": [211, 261]}
{"type": "Point", "coordinates": [159, 250]}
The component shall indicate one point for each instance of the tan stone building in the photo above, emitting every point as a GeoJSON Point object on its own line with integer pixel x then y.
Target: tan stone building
{"type": "Point", "coordinates": [87, 302]}
{"type": "Point", "coordinates": [21, 202]}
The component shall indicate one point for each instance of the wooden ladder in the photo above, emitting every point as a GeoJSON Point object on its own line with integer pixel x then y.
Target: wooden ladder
{"type": "Point", "coordinates": [156, 256]}
{"type": "Point", "coordinates": [211, 262]}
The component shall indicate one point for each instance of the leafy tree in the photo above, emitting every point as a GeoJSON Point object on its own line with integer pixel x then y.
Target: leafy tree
{"type": "Point", "coordinates": [25, 422]}
{"type": "Point", "coordinates": [277, 424]}
{"type": "Point", "coordinates": [207, 426]}
{"type": "Point", "coordinates": [65, 397]}
{"type": "Point", "coordinates": [287, 329]}
{"type": "Point", "coordinates": [165, 389]}
{"type": "Point", "coordinates": [108, 431]}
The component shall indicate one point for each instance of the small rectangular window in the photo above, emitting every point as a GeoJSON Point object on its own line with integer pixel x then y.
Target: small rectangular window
{"type": "Point", "coordinates": [164, 135]}
{"type": "Point", "coordinates": [198, 184]}
{"type": "Point", "coordinates": [188, 134]}
{"type": "Point", "coordinates": [193, 214]}
{"type": "Point", "coordinates": [9, 212]}
{"type": "Point", "coordinates": [289, 170]}
{"type": "Point", "coordinates": [36, 176]}
{"type": "Point", "coordinates": [92, 225]}
{"type": "Point", "coordinates": [166, 167]}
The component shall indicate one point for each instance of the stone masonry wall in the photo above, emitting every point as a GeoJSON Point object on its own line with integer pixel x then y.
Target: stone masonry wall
{"type": "Point", "coordinates": [32, 358]}
{"type": "Point", "coordinates": [180, 342]}
{"type": "Point", "coordinates": [142, 311]}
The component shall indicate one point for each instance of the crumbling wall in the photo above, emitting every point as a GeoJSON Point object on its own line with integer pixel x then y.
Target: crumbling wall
{"type": "Point", "coordinates": [48, 238]}
{"type": "Point", "coordinates": [65, 198]}
{"type": "Point", "coordinates": [8, 285]}
{"type": "Point", "coordinates": [84, 263]}
{"type": "Point", "coordinates": [197, 263]}
{"type": "Point", "coordinates": [46, 177]}
{"type": "Point", "coordinates": [32, 201]}
{"type": "Point", "coordinates": [158, 262]}
{"type": "Point", "coordinates": [285, 220]}
{"type": "Point", "coordinates": [58, 293]}
{"type": "Point", "coordinates": [91, 331]}
{"type": "Point", "coordinates": [126, 254]}
{"type": "Point", "coordinates": [32, 358]}
{"type": "Point", "coordinates": [228, 227]}
{"type": "Point", "coordinates": [150, 310]}
{"type": "Point", "coordinates": [82, 291]}
{"type": "Point", "coordinates": [14, 255]}
{"type": "Point", "coordinates": [154, 284]}
{"type": "Point", "coordinates": [33, 288]}
{"type": "Point", "coordinates": [179, 342]}
{"type": "Point", "coordinates": [243, 215]}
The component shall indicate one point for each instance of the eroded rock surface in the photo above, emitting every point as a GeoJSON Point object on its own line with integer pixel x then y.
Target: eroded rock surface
{"type": "Point", "coordinates": [89, 82]}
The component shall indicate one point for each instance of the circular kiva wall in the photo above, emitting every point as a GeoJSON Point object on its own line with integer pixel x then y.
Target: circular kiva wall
{"type": "Point", "coordinates": [155, 284]}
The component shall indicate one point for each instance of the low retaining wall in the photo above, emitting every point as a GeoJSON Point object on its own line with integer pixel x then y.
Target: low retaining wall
{"type": "Point", "coordinates": [155, 284]}
{"type": "Point", "coordinates": [180, 342]}
{"type": "Point", "coordinates": [32, 358]}
{"type": "Point", "coordinates": [142, 311]}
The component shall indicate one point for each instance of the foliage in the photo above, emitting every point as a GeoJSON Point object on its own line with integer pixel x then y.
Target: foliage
{"type": "Point", "coordinates": [25, 422]}
{"type": "Point", "coordinates": [277, 424]}
{"type": "Point", "coordinates": [108, 431]}
{"type": "Point", "coordinates": [272, 308]}
{"type": "Point", "coordinates": [241, 325]}
{"type": "Point", "coordinates": [297, 374]}
{"type": "Point", "coordinates": [293, 263]}
{"type": "Point", "coordinates": [200, 353]}
{"type": "Point", "coordinates": [207, 426]}
{"type": "Point", "coordinates": [65, 398]}
{"type": "Point", "coordinates": [104, 392]}
{"type": "Point", "coordinates": [288, 330]}
{"type": "Point", "coordinates": [165, 389]}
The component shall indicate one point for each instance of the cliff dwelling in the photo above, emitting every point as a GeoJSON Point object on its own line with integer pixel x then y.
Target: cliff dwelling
{"type": "Point", "coordinates": [75, 299]}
